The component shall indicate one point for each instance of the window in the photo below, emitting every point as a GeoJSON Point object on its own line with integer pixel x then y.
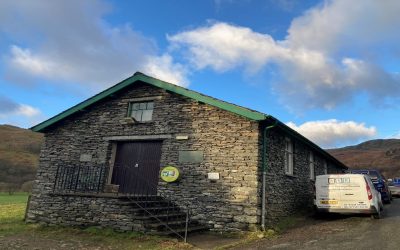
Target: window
{"type": "Point", "coordinates": [312, 166]}
{"type": "Point", "coordinates": [325, 167]}
{"type": "Point", "coordinates": [288, 156]}
{"type": "Point", "coordinates": [141, 111]}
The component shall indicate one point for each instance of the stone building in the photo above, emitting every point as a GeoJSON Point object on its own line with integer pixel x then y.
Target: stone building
{"type": "Point", "coordinates": [103, 159]}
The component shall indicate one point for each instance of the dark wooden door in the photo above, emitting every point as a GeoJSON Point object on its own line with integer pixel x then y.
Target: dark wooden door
{"type": "Point", "coordinates": [137, 166]}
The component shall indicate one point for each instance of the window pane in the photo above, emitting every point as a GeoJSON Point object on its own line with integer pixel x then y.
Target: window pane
{"type": "Point", "coordinates": [135, 106]}
{"type": "Point", "coordinates": [142, 105]}
{"type": "Point", "coordinates": [138, 115]}
{"type": "Point", "coordinates": [287, 162]}
{"type": "Point", "coordinates": [133, 113]}
{"type": "Point", "coordinates": [150, 105]}
{"type": "Point", "coordinates": [147, 115]}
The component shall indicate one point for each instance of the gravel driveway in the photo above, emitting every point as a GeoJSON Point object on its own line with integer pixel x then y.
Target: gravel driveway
{"type": "Point", "coordinates": [341, 232]}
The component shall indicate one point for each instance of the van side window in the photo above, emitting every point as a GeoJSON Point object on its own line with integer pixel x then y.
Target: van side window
{"type": "Point", "coordinates": [288, 156]}
{"type": "Point", "coordinates": [312, 167]}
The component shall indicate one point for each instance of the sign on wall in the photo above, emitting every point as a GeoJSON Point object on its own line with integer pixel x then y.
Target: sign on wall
{"type": "Point", "coordinates": [169, 174]}
{"type": "Point", "coordinates": [191, 156]}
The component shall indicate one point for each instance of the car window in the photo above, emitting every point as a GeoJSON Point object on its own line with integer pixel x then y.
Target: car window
{"type": "Point", "coordinates": [373, 174]}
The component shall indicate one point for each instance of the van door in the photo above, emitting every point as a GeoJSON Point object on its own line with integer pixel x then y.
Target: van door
{"type": "Point", "coordinates": [328, 194]}
{"type": "Point", "coordinates": [353, 192]}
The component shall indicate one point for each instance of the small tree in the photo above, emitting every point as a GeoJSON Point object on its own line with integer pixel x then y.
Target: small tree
{"type": "Point", "coordinates": [12, 188]}
{"type": "Point", "coordinates": [27, 186]}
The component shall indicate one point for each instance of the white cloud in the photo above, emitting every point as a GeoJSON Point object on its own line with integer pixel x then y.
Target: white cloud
{"type": "Point", "coordinates": [165, 69]}
{"type": "Point", "coordinates": [336, 24]}
{"type": "Point", "coordinates": [26, 110]}
{"type": "Point", "coordinates": [19, 114]}
{"type": "Point", "coordinates": [333, 133]}
{"type": "Point", "coordinates": [24, 60]}
{"type": "Point", "coordinates": [332, 53]}
{"type": "Point", "coordinates": [222, 47]}
{"type": "Point", "coordinates": [74, 43]}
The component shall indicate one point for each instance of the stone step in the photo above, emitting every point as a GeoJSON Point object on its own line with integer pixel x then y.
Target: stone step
{"type": "Point", "coordinates": [180, 230]}
{"type": "Point", "coordinates": [161, 216]}
{"type": "Point", "coordinates": [171, 223]}
{"type": "Point", "coordinates": [143, 198]}
{"type": "Point", "coordinates": [155, 203]}
{"type": "Point", "coordinates": [156, 210]}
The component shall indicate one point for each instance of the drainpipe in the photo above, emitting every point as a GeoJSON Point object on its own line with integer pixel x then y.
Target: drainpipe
{"type": "Point", "coordinates": [264, 174]}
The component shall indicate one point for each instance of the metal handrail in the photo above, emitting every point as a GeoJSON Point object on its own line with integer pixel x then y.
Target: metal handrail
{"type": "Point", "coordinates": [148, 189]}
{"type": "Point", "coordinates": [78, 178]}
{"type": "Point", "coordinates": [75, 178]}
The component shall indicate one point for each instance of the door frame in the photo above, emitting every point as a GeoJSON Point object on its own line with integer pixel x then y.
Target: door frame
{"type": "Point", "coordinates": [114, 140]}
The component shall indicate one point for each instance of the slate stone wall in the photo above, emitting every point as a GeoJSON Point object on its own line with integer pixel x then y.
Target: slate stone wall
{"type": "Point", "coordinates": [291, 194]}
{"type": "Point", "coordinates": [230, 145]}
{"type": "Point", "coordinates": [84, 211]}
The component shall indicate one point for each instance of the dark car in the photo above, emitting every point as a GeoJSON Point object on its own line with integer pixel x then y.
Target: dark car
{"type": "Point", "coordinates": [379, 181]}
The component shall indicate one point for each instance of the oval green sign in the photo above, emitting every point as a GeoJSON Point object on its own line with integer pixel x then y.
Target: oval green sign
{"type": "Point", "coordinates": [169, 174]}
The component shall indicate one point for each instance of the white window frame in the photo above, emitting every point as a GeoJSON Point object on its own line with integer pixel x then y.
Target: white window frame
{"type": "Point", "coordinates": [312, 165]}
{"type": "Point", "coordinates": [289, 161]}
{"type": "Point", "coordinates": [139, 111]}
{"type": "Point", "coordinates": [325, 167]}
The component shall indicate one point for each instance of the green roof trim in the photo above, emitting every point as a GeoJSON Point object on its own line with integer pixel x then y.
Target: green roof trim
{"type": "Point", "coordinates": [306, 141]}
{"type": "Point", "coordinates": [140, 77]}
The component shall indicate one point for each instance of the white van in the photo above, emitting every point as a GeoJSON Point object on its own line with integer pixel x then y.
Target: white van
{"type": "Point", "coordinates": [347, 193]}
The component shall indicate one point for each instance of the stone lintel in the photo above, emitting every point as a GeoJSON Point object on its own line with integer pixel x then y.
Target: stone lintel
{"type": "Point", "coordinates": [137, 137]}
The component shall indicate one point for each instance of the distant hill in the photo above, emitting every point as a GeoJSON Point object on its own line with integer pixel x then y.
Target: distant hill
{"type": "Point", "coordinates": [382, 154]}
{"type": "Point", "coordinates": [19, 154]}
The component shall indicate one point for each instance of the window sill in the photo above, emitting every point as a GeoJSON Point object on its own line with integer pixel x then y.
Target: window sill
{"type": "Point", "coordinates": [128, 121]}
{"type": "Point", "coordinates": [146, 122]}
{"type": "Point", "coordinates": [290, 175]}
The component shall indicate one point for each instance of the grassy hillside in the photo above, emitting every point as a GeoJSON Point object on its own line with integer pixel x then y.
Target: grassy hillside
{"type": "Point", "coordinates": [380, 154]}
{"type": "Point", "coordinates": [19, 153]}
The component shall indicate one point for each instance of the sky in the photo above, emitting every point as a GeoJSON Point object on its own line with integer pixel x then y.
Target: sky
{"type": "Point", "coordinates": [328, 69]}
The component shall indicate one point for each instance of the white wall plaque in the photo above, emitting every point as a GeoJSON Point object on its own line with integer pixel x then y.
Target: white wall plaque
{"type": "Point", "coordinates": [182, 137]}
{"type": "Point", "coordinates": [85, 157]}
{"type": "Point", "coordinates": [213, 176]}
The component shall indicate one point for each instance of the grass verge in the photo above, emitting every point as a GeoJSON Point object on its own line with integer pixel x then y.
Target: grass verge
{"type": "Point", "coordinates": [12, 228]}
{"type": "Point", "coordinates": [16, 198]}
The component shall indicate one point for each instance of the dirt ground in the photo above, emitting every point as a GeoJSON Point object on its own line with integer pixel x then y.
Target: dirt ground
{"type": "Point", "coordinates": [29, 241]}
{"type": "Point", "coordinates": [33, 241]}
{"type": "Point", "coordinates": [340, 232]}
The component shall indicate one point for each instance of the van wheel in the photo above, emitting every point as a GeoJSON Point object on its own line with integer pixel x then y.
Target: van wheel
{"type": "Point", "coordinates": [377, 215]}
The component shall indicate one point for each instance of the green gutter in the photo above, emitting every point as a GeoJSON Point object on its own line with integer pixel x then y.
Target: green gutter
{"type": "Point", "coordinates": [264, 174]}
